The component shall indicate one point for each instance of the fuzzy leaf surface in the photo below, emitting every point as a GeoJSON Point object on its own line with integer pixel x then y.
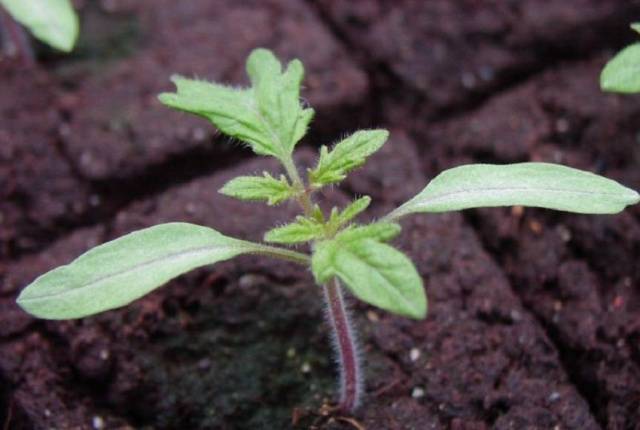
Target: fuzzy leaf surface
{"type": "Point", "coordinates": [52, 21]}
{"type": "Point", "coordinates": [354, 209]}
{"type": "Point", "coordinates": [374, 272]}
{"type": "Point", "coordinates": [622, 72]}
{"type": "Point", "coordinates": [345, 156]}
{"type": "Point", "coordinates": [265, 187]}
{"type": "Point", "coordinates": [544, 185]}
{"type": "Point", "coordinates": [301, 230]}
{"type": "Point", "coordinates": [268, 115]}
{"type": "Point", "coordinates": [380, 231]}
{"type": "Point", "coordinates": [118, 272]}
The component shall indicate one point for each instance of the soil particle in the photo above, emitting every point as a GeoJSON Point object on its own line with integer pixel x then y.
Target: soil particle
{"type": "Point", "coordinates": [453, 52]}
{"type": "Point", "coordinates": [36, 184]}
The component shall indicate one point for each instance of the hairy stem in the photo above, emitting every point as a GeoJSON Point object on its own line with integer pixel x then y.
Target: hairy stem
{"type": "Point", "coordinates": [343, 334]}
{"type": "Point", "coordinates": [345, 344]}
{"type": "Point", "coordinates": [304, 199]}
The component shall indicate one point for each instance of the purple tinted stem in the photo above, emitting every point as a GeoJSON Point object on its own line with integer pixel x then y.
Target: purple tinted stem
{"type": "Point", "coordinates": [345, 343]}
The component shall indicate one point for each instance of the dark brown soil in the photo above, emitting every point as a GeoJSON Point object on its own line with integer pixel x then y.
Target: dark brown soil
{"type": "Point", "coordinates": [534, 318]}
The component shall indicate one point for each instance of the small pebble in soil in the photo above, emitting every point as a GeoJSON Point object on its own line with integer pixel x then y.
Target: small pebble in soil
{"type": "Point", "coordinates": [554, 396]}
{"type": "Point", "coordinates": [104, 354]}
{"type": "Point", "coordinates": [199, 134]}
{"type": "Point", "coordinates": [517, 211]}
{"type": "Point", "coordinates": [305, 368]}
{"type": "Point", "coordinates": [414, 354]}
{"type": "Point", "coordinates": [417, 392]}
{"type": "Point", "coordinates": [562, 125]}
{"type": "Point", "coordinates": [372, 316]}
{"type": "Point", "coordinates": [291, 352]}
{"type": "Point", "coordinates": [468, 80]}
{"type": "Point", "coordinates": [564, 233]}
{"type": "Point", "coordinates": [95, 200]}
{"type": "Point", "coordinates": [97, 423]}
{"type": "Point", "coordinates": [515, 315]}
{"type": "Point", "coordinates": [204, 364]}
{"type": "Point", "coordinates": [535, 227]}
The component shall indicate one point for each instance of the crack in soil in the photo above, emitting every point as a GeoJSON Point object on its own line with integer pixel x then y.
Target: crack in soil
{"type": "Point", "coordinates": [568, 357]}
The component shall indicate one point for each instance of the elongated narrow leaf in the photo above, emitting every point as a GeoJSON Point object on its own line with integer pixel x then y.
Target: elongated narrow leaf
{"type": "Point", "coordinates": [354, 209]}
{"type": "Point", "coordinates": [622, 72]}
{"type": "Point", "coordinates": [301, 230]}
{"type": "Point", "coordinates": [52, 21]}
{"type": "Point", "coordinates": [345, 156]}
{"type": "Point", "coordinates": [268, 188]}
{"type": "Point", "coordinates": [380, 231]}
{"type": "Point", "coordinates": [542, 185]}
{"type": "Point", "coordinates": [374, 272]}
{"type": "Point", "coordinates": [268, 116]}
{"type": "Point", "coordinates": [118, 272]}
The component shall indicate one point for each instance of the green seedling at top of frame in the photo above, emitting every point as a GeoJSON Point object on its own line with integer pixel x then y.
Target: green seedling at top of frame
{"type": "Point", "coordinates": [622, 73]}
{"type": "Point", "coordinates": [54, 22]}
{"type": "Point", "coordinates": [270, 119]}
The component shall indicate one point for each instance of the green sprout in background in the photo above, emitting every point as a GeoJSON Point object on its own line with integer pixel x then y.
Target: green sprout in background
{"type": "Point", "coordinates": [54, 22]}
{"type": "Point", "coordinates": [622, 73]}
{"type": "Point", "coordinates": [269, 117]}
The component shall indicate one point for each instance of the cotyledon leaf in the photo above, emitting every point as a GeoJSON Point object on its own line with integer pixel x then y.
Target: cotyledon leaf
{"type": "Point", "coordinates": [542, 185]}
{"type": "Point", "coordinates": [52, 21]}
{"type": "Point", "coordinates": [118, 272]}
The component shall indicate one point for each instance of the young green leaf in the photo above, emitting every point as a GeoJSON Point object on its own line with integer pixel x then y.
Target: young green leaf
{"type": "Point", "coordinates": [380, 231]}
{"type": "Point", "coordinates": [345, 156]}
{"type": "Point", "coordinates": [52, 21]}
{"type": "Point", "coordinates": [301, 230]}
{"type": "Point", "coordinates": [542, 185]}
{"type": "Point", "coordinates": [355, 208]}
{"type": "Point", "coordinates": [278, 97]}
{"type": "Point", "coordinates": [622, 72]}
{"type": "Point", "coordinates": [635, 26]}
{"type": "Point", "coordinates": [374, 272]}
{"type": "Point", "coordinates": [268, 188]}
{"type": "Point", "coordinates": [268, 116]}
{"type": "Point", "coordinates": [118, 272]}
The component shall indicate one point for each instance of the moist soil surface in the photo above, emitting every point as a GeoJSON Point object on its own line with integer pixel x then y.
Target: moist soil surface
{"type": "Point", "coordinates": [534, 316]}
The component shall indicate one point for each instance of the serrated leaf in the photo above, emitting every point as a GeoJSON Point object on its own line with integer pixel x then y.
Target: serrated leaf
{"type": "Point", "coordinates": [268, 188]}
{"type": "Point", "coordinates": [301, 230]}
{"type": "Point", "coordinates": [52, 21]}
{"type": "Point", "coordinates": [118, 272]}
{"type": "Point", "coordinates": [268, 116]}
{"type": "Point", "coordinates": [278, 97]}
{"type": "Point", "coordinates": [622, 73]}
{"type": "Point", "coordinates": [374, 272]}
{"type": "Point", "coordinates": [345, 156]}
{"type": "Point", "coordinates": [542, 185]}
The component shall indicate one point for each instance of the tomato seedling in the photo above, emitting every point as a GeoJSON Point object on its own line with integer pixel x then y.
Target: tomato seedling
{"type": "Point", "coordinates": [269, 117]}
